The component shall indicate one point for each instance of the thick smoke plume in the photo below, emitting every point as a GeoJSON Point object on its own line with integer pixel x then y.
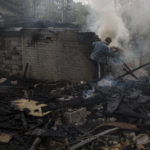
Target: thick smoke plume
{"type": "Point", "coordinates": [127, 22]}
{"type": "Point", "coordinates": [121, 19]}
{"type": "Point", "coordinates": [106, 21]}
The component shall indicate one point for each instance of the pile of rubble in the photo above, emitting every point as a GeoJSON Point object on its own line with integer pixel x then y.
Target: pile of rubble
{"type": "Point", "coordinates": [62, 115]}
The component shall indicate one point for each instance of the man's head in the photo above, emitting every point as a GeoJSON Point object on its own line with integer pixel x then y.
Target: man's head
{"type": "Point", "coordinates": [108, 40]}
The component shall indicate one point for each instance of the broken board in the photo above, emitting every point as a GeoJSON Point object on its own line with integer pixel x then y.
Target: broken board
{"type": "Point", "coordinates": [34, 108]}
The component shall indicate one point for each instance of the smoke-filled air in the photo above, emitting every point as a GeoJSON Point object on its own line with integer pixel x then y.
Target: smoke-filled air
{"type": "Point", "coordinates": [105, 20]}
{"type": "Point", "coordinates": [127, 22]}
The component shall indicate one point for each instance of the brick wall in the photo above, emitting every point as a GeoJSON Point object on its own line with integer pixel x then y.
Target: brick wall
{"type": "Point", "coordinates": [10, 54]}
{"type": "Point", "coordinates": [52, 55]}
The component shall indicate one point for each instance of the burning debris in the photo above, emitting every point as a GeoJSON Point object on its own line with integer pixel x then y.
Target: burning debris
{"type": "Point", "coordinates": [112, 114]}
{"type": "Point", "coordinates": [64, 115]}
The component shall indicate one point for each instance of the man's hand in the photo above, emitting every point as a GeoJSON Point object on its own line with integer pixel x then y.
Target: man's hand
{"type": "Point", "coordinates": [115, 49]}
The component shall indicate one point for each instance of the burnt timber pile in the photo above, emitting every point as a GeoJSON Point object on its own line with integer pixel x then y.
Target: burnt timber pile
{"type": "Point", "coordinates": [61, 108]}
{"type": "Point", "coordinates": [68, 116]}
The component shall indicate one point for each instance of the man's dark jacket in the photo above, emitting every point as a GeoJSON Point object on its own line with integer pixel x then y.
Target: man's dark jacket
{"type": "Point", "coordinates": [100, 52]}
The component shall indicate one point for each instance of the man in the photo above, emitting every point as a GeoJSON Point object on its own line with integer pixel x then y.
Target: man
{"type": "Point", "coordinates": [100, 55]}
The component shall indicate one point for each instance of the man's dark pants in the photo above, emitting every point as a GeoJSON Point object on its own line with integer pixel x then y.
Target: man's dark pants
{"type": "Point", "coordinates": [100, 70]}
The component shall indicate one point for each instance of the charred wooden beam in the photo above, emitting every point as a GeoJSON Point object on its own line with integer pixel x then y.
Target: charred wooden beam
{"type": "Point", "coordinates": [142, 66]}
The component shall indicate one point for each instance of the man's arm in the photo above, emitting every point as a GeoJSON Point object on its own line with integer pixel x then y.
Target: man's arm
{"type": "Point", "coordinates": [109, 52]}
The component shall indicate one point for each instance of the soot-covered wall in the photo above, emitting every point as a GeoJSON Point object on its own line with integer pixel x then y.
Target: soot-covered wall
{"type": "Point", "coordinates": [51, 54]}
{"type": "Point", "coordinates": [11, 53]}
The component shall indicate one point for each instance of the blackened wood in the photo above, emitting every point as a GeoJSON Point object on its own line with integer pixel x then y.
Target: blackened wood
{"type": "Point", "coordinates": [9, 126]}
{"type": "Point", "coordinates": [36, 143]}
{"type": "Point", "coordinates": [25, 71]}
{"type": "Point", "coordinates": [94, 137]}
{"type": "Point", "coordinates": [76, 103]}
{"type": "Point", "coordinates": [4, 111]}
{"type": "Point", "coordinates": [38, 140]}
{"type": "Point", "coordinates": [47, 133]}
{"type": "Point", "coordinates": [129, 69]}
{"type": "Point", "coordinates": [142, 66]}
{"type": "Point", "coordinates": [24, 121]}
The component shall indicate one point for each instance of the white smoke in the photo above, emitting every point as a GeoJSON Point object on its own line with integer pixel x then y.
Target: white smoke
{"type": "Point", "coordinates": [105, 20]}
{"type": "Point", "coordinates": [121, 20]}
{"type": "Point", "coordinates": [127, 22]}
{"type": "Point", "coordinates": [137, 12]}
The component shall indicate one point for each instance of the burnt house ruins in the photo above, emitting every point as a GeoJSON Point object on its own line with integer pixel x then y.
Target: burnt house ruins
{"type": "Point", "coordinates": [43, 46]}
{"type": "Point", "coordinates": [49, 99]}
{"type": "Point", "coordinates": [51, 53]}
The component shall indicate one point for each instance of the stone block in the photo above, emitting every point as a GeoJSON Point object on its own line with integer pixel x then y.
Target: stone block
{"type": "Point", "coordinates": [76, 116]}
{"type": "Point", "coordinates": [142, 139]}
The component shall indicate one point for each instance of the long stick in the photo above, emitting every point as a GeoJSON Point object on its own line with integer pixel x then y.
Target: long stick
{"type": "Point", "coordinates": [133, 70]}
{"type": "Point", "coordinates": [82, 143]}
{"type": "Point", "coordinates": [128, 68]}
{"type": "Point", "coordinates": [38, 140]}
{"type": "Point", "coordinates": [36, 143]}
{"type": "Point", "coordinates": [25, 71]}
{"type": "Point", "coordinates": [132, 74]}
